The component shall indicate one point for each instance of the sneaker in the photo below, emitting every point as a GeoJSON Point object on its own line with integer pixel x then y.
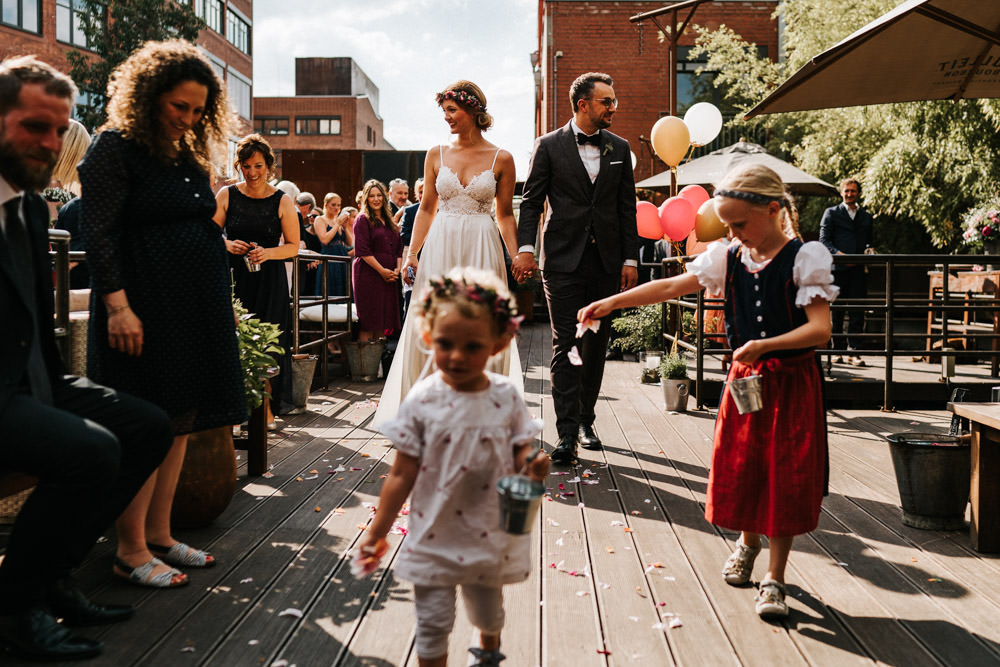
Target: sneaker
{"type": "Point", "coordinates": [771, 599]}
{"type": "Point", "coordinates": [858, 361]}
{"type": "Point", "coordinates": [483, 658]}
{"type": "Point", "coordinates": [739, 566]}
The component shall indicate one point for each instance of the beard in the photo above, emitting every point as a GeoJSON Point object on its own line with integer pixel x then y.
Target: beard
{"type": "Point", "coordinates": [22, 175]}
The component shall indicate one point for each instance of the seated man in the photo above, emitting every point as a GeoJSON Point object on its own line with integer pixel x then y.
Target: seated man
{"type": "Point", "coordinates": [91, 447]}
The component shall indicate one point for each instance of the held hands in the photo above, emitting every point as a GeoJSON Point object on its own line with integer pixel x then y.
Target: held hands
{"type": "Point", "coordinates": [389, 275]}
{"type": "Point", "coordinates": [125, 332]}
{"type": "Point", "coordinates": [524, 266]}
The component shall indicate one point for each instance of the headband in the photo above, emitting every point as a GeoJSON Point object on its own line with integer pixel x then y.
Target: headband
{"type": "Point", "coordinates": [501, 307]}
{"type": "Point", "coordinates": [463, 97]}
{"type": "Point", "coordinates": [751, 197]}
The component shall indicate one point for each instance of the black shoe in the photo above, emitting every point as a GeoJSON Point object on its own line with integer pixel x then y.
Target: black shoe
{"type": "Point", "coordinates": [588, 439]}
{"type": "Point", "coordinates": [68, 602]}
{"type": "Point", "coordinates": [565, 451]}
{"type": "Point", "coordinates": [36, 635]}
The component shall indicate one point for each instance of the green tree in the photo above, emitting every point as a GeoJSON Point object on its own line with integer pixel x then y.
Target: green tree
{"type": "Point", "coordinates": [114, 30]}
{"type": "Point", "coordinates": [922, 164]}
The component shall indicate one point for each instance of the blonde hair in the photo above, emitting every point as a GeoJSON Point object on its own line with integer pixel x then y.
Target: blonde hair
{"type": "Point", "coordinates": [758, 185]}
{"type": "Point", "coordinates": [75, 143]}
{"type": "Point", "coordinates": [466, 95]}
{"type": "Point", "coordinates": [331, 195]}
{"type": "Point", "coordinates": [475, 294]}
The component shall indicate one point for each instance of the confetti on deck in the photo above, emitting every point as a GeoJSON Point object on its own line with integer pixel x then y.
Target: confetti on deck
{"type": "Point", "coordinates": [291, 611]}
{"type": "Point", "coordinates": [574, 357]}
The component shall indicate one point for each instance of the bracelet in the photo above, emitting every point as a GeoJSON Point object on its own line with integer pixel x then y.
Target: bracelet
{"type": "Point", "coordinates": [115, 311]}
{"type": "Point", "coordinates": [412, 254]}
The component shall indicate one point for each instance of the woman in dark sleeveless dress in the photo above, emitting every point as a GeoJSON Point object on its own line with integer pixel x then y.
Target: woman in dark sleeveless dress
{"type": "Point", "coordinates": [334, 230]}
{"type": "Point", "coordinates": [161, 315]}
{"type": "Point", "coordinates": [255, 216]}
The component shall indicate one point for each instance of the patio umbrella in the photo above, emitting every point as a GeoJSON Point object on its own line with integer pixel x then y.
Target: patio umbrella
{"type": "Point", "coordinates": [709, 169]}
{"type": "Point", "coordinates": [921, 50]}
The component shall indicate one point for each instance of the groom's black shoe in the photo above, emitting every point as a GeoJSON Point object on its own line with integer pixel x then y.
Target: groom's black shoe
{"type": "Point", "coordinates": [565, 451]}
{"type": "Point", "coordinates": [588, 439]}
{"type": "Point", "coordinates": [68, 602]}
{"type": "Point", "coordinates": [36, 635]}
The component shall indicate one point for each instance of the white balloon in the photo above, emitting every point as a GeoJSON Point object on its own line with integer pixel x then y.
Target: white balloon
{"type": "Point", "coordinates": [705, 121]}
{"type": "Point", "coordinates": [635, 160]}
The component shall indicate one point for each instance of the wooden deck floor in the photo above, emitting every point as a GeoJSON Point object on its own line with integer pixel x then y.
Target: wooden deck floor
{"type": "Point", "coordinates": [622, 556]}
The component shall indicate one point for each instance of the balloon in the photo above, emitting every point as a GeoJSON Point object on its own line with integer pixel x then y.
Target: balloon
{"type": "Point", "coordinates": [707, 225]}
{"type": "Point", "coordinates": [695, 194]}
{"type": "Point", "coordinates": [704, 120]}
{"type": "Point", "coordinates": [694, 246]}
{"type": "Point", "coordinates": [677, 218]}
{"type": "Point", "coordinates": [647, 220]}
{"type": "Point", "coordinates": [671, 139]}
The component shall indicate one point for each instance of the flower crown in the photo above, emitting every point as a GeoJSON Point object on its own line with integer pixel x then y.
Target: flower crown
{"type": "Point", "coordinates": [501, 307]}
{"type": "Point", "coordinates": [463, 97]}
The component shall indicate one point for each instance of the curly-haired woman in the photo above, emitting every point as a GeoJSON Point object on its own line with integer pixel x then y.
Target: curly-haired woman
{"type": "Point", "coordinates": [161, 317]}
{"type": "Point", "coordinates": [375, 269]}
{"type": "Point", "coordinates": [455, 226]}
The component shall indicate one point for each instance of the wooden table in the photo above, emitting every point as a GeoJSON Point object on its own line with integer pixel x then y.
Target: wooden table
{"type": "Point", "coordinates": [970, 283]}
{"type": "Point", "coordinates": [984, 495]}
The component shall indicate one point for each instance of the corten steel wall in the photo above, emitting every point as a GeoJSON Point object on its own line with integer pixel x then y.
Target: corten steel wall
{"type": "Point", "coordinates": [595, 35]}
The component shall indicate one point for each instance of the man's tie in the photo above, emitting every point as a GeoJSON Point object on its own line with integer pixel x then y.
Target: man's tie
{"type": "Point", "coordinates": [593, 139]}
{"type": "Point", "coordinates": [19, 248]}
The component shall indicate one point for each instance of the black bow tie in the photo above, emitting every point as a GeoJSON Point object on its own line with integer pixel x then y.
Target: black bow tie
{"type": "Point", "coordinates": [593, 139]}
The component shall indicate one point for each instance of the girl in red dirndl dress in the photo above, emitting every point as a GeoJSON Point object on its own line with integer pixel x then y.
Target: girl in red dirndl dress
{"type": "Point", "coordinates": [769, 468]}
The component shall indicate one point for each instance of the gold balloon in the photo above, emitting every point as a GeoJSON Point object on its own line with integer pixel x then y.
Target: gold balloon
{"type": "Point", "coordinates": [707, 225]}
{"type": "Point", "coordinates": [671, 139]}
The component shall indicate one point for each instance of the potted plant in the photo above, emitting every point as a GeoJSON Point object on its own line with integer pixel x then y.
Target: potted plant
{"type": "Point", "coordinates": [638, 329]}
{"type": "Point", "coordinates": [981, 228]}
{"type": "Point", "coordinates": [674, 381]}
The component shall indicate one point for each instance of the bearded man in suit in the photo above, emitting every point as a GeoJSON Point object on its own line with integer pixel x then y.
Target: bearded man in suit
{"type": "Point", "coordinates": [581, 177]}
{"type": "Point", "coordinates": [90, 447]}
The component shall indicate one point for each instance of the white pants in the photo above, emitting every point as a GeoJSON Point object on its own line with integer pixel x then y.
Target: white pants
{"type": "Point", "coordinates": [436, 614]}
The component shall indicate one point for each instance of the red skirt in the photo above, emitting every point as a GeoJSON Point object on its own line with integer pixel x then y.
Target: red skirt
{"type": "Point", "coordinates": [769, 468]}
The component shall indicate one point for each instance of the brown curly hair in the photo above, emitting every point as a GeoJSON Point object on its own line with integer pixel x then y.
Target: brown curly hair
{"type": "Point", "coordinates": [484, 120]}
{"type": "Point", "coordinates": [134, 93]}
{"type": "Point", "coordinates": [254, 143]}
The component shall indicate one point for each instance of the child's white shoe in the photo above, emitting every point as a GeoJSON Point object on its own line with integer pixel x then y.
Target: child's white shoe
{"type": "Point", "coordinates": [483, 658]}
{"type": "Point", "coordinates": [771, 599]}
{"type": "Point", "coordinates": [739, 566]}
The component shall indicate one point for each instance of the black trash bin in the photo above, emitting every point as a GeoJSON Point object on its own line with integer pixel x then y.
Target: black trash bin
{"type": "Point", "coordinates": [933, 473]}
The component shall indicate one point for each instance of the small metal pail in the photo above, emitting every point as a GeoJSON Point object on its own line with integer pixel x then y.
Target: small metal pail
{"type": "Point", "coordinates": [747, 392]}
{"type": "Point", "coordinates": [520, 498]}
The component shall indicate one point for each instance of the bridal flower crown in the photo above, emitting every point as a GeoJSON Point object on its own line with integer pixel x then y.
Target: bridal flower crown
{"type": "Point", "coordinates": [501, 307]}
{"type": "Point", "coordinates": [463, 97]}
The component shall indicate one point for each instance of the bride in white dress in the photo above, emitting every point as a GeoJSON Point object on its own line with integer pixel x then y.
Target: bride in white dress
{"type": "Point", "coordinates": [455, 227]}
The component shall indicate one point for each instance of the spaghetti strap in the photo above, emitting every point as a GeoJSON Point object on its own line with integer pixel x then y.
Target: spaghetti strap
{"type": "Point", "coordinates": [494, 159]}
{"type": "Point", "coordinates": [441, 153]}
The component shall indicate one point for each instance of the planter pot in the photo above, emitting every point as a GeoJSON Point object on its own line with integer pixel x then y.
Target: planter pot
{"type": "Point", "coordinates": [208, 478]}
{"type": "Point", "coordinates": [303, 368]}
{"type": "Point", "coordinates": [675, 394]}
{"type": "Point", "coordinates": [933, 476]}
{"type": "Point", "coordinates": [525, 304]}
{"type": "Point", "coordinates": [363, 359]}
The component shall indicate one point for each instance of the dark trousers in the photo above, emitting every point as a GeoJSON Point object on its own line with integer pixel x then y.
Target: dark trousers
{"type": "Point", "coordinates": [575, 388]}
{"type": "Point", "coordinates": [92, 450]}
{"type": "Point", "coordinates": [853, 284]}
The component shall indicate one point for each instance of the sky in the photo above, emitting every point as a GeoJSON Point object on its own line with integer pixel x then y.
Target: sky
{"type": "Point", "coordinates": [411, 49]}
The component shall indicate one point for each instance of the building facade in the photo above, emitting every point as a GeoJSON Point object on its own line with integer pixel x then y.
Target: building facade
{"type": "Point", "coordinates": [48, 29]}
{"type": "Point", "coordinates": [577, 36]}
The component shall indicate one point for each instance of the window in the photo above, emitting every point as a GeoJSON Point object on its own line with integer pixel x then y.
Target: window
{"type": "Point", "coordinates": [317, 125]}
{"type": "Point", "coordinates": [238, 32]}
{"type": "Point", "coordinates": [21, 14]}
{"type": "Point", "coordinates": [211, 12]}
{"type": "Point", "coordinates": [239, 92]}
{"type": "Point", "coordinates": [68, 22]}
{"type": "Point", "coordinates": [693, 87]}
{"type": "Point", "coordinates": [265, 125]}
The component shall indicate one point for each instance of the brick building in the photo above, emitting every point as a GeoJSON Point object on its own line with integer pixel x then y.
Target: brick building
{"type": "Point", "coordinates": [577, 36]}
{"type": "Point", "coordinates": [335, 107]}
{"type": "Point", "coordinates": [47, 28]}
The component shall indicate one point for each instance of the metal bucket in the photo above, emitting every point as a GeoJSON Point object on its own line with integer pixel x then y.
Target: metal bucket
{"type": "Point", "coordinates": [303, 368]}
{"type": "Point", "coordinates": [363, 359]}
{"type": "Point", "coordinates": [747, 392]}
{"type": "Point", "coordinates": [933, 473]}
{"type": "Point", "coordinates": [520, 498]}
{"type": "Point", "coordinates": [675, 394]}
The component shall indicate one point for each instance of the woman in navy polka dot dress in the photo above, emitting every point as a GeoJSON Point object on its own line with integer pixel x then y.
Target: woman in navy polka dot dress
{"type": "Point", "coordinates": [161, 315]}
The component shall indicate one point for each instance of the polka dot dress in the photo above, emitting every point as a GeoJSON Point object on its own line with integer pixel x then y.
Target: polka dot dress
{"type": "Point", "coordinates": [148, 230]}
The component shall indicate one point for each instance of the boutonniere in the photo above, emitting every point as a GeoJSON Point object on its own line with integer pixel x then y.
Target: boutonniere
{"type": "Point", "coordinates": [607, 149]}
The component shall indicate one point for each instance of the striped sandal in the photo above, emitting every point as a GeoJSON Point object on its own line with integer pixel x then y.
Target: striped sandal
{"type": "Point", "coordinates": [143, 574]}
{"type": "Point", "coordinates": [181, 555]}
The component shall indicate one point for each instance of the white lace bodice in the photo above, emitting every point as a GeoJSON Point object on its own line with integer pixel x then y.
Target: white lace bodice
{"type": "Point", "coordinates": [476, 198]}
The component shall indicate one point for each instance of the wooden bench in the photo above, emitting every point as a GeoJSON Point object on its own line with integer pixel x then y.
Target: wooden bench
{"type": "Point", "coordinates": [984, 495]}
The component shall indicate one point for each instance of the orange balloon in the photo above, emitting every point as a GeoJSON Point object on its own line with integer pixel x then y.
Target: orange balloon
{"type": "Point", "coordinates": [647, 220]}
{"type": "Point", "coordinates": [707, 225]}
{"type": "Point", "coordinates": [671, 139]}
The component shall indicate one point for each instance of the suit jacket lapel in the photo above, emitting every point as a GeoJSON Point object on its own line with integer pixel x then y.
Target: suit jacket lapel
{"type": "Point", "coordinates": [605, 162]}
{"type": "Point", "coordinates": [573, 157]}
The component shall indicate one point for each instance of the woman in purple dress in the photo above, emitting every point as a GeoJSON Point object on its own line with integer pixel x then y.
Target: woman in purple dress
{"type": "Point", "coordinates": [375, 270]}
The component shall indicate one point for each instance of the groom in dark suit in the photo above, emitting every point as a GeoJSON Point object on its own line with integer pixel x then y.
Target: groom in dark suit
{"type": "Point", "coordinates": [589, 246]}
{"type": "Point", "coordinates": [90, 447]}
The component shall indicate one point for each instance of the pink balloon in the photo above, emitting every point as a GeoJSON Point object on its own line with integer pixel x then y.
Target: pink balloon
{"type": "Point", "coordinates": [695, 194]}
{"type": "Point", "coordinates": [677, 218]}
{"type": "Point", "coordinates": [647, 220]}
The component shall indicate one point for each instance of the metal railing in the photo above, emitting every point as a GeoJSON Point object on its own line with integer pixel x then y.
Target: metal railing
{"type": "Point", "coordinates": [894, 302]}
